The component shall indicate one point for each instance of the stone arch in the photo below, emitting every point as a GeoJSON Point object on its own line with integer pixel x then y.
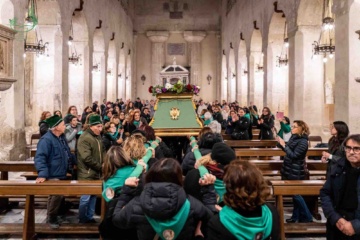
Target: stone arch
{"type": "Point", "coordinates": [6, 12]}
{"type": "Point", "coordinates": [309, 13]}
{"type": "Point", "coordinates": [79, 46]}
{"type": "Point", "coordinates": [232, 77]}
{"type": "Point", "coordinates": [242, 74]}
{"type": "Point", "coordinates": [277, 77]}
{"type": "Point", "coordinates": [224, 79]}
{"type": "Point", "coordinates": [121, 74]}
{"type": "Point", "coordinates": [256, 77]}
{"type": "Point", "coordinates": [99, 76]}
{"type": "Point", "coordinates": [111, 72]}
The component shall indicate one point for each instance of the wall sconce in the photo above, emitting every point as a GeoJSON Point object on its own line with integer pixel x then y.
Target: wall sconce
{"type": "Point", "coordinates": [358, 32]}
{"type": "Point", "coordinates": [119, 75]}
{"type": "Point", "coordinates": [245, 72]}
{"type": "Point", "coordinates": [233, 75]}
{"type": "Point", "coordinates": [208, 78]}
{"type": "Point", "coordinates": [357, 79]}
{"type": "Point", "coordinates": [109, 72]}
{"type": "Point", "coordinates": [143, 79]}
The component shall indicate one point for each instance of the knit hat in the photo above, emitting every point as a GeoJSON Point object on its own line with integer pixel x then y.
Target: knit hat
{"type": "Point", "coordinates": [222, 153]}
{"type": "Point", "coordinates": [207, 115]}
{"type": "Point", "coordinates": [53, 121]}
{"type": "Point", "coordinates": [94, 120]}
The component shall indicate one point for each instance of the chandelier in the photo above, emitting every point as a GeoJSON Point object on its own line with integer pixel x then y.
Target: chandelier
{"type": "Point", "coordinates": [39, 48]}
{"type": "Point", "coordinates": [30, 22]}
{"type": "Point", "coordinates": [325, 46]}
{"type": "Point", "coordinates": [96, 68]}
{"type": "Point", "coordinates": [75, 59]}
{"type": "Point", "coordinates": [282, 60]}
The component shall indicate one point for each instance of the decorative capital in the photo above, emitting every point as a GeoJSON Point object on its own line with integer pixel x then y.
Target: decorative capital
{"type": "Point", "coordinates": [158, 36]}
{"type": "Point", "coordinates": [194, 36]}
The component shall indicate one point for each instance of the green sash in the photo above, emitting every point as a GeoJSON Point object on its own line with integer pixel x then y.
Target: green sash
{"type": "Point", "coordinates": [173, 226]}
{"type": "Point", "coordinates": [218, 185]}
{"type": "Point", "coordinates": [247, 228]}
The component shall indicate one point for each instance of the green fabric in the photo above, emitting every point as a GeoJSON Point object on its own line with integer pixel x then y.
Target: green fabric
{"type": "Point", "coordinates": [207, 122]}
{"type": "Point", "coordinates": [186, 119]}
{"type": "Point", "coordinates": [247, 115]}
{"type": "Point", "coordinates": [284, 128]}
{"type": "Point", "coordinates": [247, 228]}
{"type": "Point", "coordinates": [53, 121]}
{"type": "Point", "coordinates": [218, 185]}
{"type": "Point", "coordinates": [136, 123]}
{"type": "Point", "coordinates": [139, 169]}
{"type": "Point", "coordinates": [94, 120]}
{"type": "Point", "coordinates": [175, 224]}
{"type": "Point", "coordinates": [193, 139]}
{"type": "Point", "coordinates": [116, 181]}
{"type": "Point", "coordinates": [112, 136]}
{"type": "Point", "coordinates": [107, 118]}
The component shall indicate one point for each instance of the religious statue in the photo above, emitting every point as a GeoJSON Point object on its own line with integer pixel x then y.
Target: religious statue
{"type": "Point", "coordinates": [329, 95]}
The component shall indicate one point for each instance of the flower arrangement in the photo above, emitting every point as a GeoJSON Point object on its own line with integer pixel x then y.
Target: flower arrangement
{"type": "Point", "coordinates": [177, 88]}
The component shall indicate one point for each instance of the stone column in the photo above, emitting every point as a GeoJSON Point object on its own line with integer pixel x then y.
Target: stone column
{"type": "Point", "coordinates": [251, 77]}
{"type": "Point", "coordinates": [194, 38]}
{"type": "Point", "coordinates": [306, 79]}
{"type": "Point", "coordinates": [157, 38]}
{"type": "Point", "coordinates": [218, 79]}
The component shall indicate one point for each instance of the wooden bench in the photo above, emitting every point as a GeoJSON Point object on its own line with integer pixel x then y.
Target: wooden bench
{"type": "Point", "coordinates": [228, 136]}
{"type": "Point", "coordinates": [30, 189]}
{"type": "Point", "coordinates": [298, 187]}
{"type": "Point", "coordinates": [276, 173]}
{"type": "Point", "coordinates": [33, 142]}
{"type": "Point", "coordinates": [268, 165]}
{"type": "Point", "coordinates": [34, 175]}
{"type": "Point", "coordinates": [15, 166]}
{"type": "Point", "coordinates": [251, 143]}
{"type": "Point", "coordinates": [272, 152]}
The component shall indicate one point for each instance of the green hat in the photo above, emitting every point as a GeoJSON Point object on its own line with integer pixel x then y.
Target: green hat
{"type": "Point", "coordinates": [94, 120]}
{"type": "Point", "coordinates": [53, 121]}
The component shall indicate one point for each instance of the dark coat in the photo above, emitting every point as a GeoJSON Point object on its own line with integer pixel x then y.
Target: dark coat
{"type": "Point", "coordinates": [294, 160]}
{"type": "Point", "coordinates": [241, 129]}
{"type": "Point", "coordinates": [189, 160]}
{"type": "Point", "coordinates": [67, 118]}
{"type": "Point", "coordinates": [218, 117]}
{"type": "Point", "coordinates": [330, 196]}
{"type": "Point", "coordinates": [43, 128]}
{"type": "Point", "coordinates": [51, 161]}
{"type": "Point", "coordinates": [161, 201]}
{"type": "Point", "coordinates": [266, 129]}
{"type": "Point", "coordinates": [108, 141]}
{"type": "Point", "coordinates": [217, 231]}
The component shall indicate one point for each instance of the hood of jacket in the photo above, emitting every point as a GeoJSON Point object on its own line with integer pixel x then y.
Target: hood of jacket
{"type": "Point", "coordinates": [162, 200]}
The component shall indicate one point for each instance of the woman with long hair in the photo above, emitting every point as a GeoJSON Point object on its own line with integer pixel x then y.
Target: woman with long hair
{"type": "Point", "coordinates": [43, 125]}
{"type": "Point", "coordinates": [87, 111]}
{"type": "Point", "coordinates": [339, 131]}
{"type": "Point", "coordinates": [72, 111]}
{"type": "Point", "coordinates": [266, 124]}
{"type": "Point", "coordinates": [134, 122]}
{"type": "Point", "coordinates": [111, 137]}
{"type": "Point", "coordinates": [246, 215]}
{"type": "Point", "coordinates": [163, 208]}
{"type": "Point", "coordinates": [293, 167]}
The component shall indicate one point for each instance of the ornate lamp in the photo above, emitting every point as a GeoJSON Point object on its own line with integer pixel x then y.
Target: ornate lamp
{"type": "Point", "coordinates": [209, 78]}
{"type": "Point", "coordinates": [282, 60]}
{"type": "Point", "coordinates": [325, 45]}
{"type": "Point", "coordinates": [30, 22]}
{"type": "Point", "coordinates": [143, 79]}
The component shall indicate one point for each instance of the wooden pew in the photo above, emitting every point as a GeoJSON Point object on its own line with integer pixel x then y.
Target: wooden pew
{"type": "Point", "coordinates": [251, 143]}
{"type": "Point", "coordinates": [30, 189]}
{"type": "Point", "coordinates": [298, 187]}
{"type": "Point", "coordinates": [272, 152]}
{"type": "Point", "coordinates": [228, 136]}
{"type": "Point", "coordinates": [33, 142]}
{"type": "Point", "coordinates": [13, 166]}
{"type": "Point", "coordinates": [268, 165]}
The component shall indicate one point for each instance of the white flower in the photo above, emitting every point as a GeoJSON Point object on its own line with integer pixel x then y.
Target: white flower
{"type": "Point", "coordinates": [168, 86]}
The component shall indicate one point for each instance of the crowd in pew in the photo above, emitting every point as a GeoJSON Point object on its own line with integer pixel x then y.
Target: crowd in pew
{"type": "Point", "coordinates": [149, 194]}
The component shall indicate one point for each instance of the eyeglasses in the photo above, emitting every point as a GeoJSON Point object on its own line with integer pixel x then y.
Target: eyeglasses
{"type": "Point", "coordinates": [294, 127]}
{"type": "Point", "coordinates": [356, 150]}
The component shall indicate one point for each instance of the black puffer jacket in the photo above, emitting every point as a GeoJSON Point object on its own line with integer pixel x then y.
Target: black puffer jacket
{"type": "Point", "coordinates": [189, 160]}
{"type": "Point", "coordinates": [294, 160]}
{"type": "Point", "coordinates": [161, 201]}
{"type": "Point", "coordinates": [266, 129]}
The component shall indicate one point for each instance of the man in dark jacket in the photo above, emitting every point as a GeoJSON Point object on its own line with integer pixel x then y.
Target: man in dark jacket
{"type": "Point", "coordinates": [146, 115]}
{"type": "Point", "coordinates": [90, 157]}
{"type": "Point", "coordinates": [138, 104]}
{"type": "Point", "coordinates": [340, 195]}
{"type": "Point", "coordinates": [51, 162]}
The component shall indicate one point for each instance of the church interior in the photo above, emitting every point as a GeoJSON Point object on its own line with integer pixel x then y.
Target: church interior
{"type": "Point", "coordinates": [278, 54]}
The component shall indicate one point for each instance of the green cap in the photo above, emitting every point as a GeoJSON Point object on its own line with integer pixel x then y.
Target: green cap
{"type": "Point", "coordinates": [53, 121]}
{"type": "Point", "coordinates": [94, 120]}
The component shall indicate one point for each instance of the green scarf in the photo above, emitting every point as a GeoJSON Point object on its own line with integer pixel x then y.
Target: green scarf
{"type": "Point", "coordinates": [107, 118]}
{"type": "Point", "coordinates": [116, 181]}
{"type": "Point", "coordinates": [112, 136]}
{"type": "Point", "coordinates": [247, 228]}
{"type": "Point", "coordinates": [218, 185]}
{"type": "Point", "coordinates": [173, 225]}
{"type": "Point", "coordinates": [207, 122]}
{"type": "Point", "coordinates": [136, 123]}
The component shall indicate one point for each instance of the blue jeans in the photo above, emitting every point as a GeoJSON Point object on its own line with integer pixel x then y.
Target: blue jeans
{"type": "Point", "coordinates": [86, 208]}
{"type": "Point", "coordinates": [301, 211]}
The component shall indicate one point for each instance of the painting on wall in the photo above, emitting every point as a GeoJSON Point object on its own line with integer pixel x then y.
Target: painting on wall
{"type": "Point", "coordinates": [2, 57]}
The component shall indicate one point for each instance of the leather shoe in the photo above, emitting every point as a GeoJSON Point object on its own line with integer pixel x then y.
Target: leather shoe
{"type": "Point", "coordinates": [290, 220]}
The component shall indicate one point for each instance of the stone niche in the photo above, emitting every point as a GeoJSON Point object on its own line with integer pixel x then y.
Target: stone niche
{"type": "Point", "coordinates": [7, 36]}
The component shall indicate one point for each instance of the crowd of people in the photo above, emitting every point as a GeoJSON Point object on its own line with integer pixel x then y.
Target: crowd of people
{"type": "Point", "coordinates": [209, 194]}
